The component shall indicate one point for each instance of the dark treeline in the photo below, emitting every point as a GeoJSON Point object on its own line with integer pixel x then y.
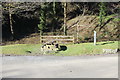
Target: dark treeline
{"type": "Point", "coordinates": [21, 19]}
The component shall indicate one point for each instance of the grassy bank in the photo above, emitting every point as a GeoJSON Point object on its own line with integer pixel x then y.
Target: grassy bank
{"type": "Point", "coordinates": [20, 49]}
{"type": "Point", "coordinates": [89, 48]}
{"type": "Point", "coordinates": [72, 49]}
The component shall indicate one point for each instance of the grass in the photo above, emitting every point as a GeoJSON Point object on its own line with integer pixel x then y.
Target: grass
{"type": "Point", "coordinates": [20, 49]}
{"type": "Point", "coordinates": [89, 48]}
{"type": "Point", "coordinates": [72, 49]}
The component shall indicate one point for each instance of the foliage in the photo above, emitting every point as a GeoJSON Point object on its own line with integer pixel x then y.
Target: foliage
{"type": "Point", "coordinates": [48, 14]}
{"type": "Point", "coordinates": [27, 15]}
{"type": "Point", "coordinates": [102, 13]}
{"type": "Point", "coordinates": [21, 15]}
{"type": "Point", "coordinates": [42, 24]}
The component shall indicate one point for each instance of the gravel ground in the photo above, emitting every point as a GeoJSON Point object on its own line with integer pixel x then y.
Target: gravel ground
{"type": "Point", "coordinates": [102, 66]}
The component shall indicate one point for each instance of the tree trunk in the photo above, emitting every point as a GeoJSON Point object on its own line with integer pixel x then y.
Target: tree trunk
{"type": "Point", "coordinates": [65, 15]}
{"type": "Point", "coordinates": [54, 17]}
{"type": "Point", "coordinates": [11, 27]}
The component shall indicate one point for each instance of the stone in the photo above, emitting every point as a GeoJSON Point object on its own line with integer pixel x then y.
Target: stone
{"type": "Point", "coordinates": [110, 50]}
{"type": "Point", "coordinates": [50, 47]}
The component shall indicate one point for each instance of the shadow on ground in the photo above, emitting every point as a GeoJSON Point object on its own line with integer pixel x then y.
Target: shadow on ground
{"type": "Point", "coordinates": [106, 43]}
{"type": "Point", "coordinates": [63, 48]}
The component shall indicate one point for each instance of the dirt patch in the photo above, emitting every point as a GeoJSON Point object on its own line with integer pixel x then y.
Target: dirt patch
{"type": "Point", "coordinates": [31, 39]}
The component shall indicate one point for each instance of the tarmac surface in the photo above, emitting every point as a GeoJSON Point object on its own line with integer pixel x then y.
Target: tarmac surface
{"type": "Point", "coordinates": [102, 66]}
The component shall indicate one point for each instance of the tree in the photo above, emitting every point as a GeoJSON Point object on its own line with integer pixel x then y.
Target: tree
{"type": "Point", "coordinates": [10, 8]}
{"type": "Point", "coordinates": [13, 11]}
{"type": "Point", "coordinates": [102, 13]}
{"type": "Point", "coordinates": [42, 18]}
{"type": "Point", "coordinates": [53, 15]}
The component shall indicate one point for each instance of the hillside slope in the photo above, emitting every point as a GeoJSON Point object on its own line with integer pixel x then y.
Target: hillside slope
{"type": "Point", "coordinates": [87, 24]}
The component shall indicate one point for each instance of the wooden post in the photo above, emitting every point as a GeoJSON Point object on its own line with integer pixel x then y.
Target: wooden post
{"type": "Point", "coordinates": [73, 40]}
{"type": "Point", "coordinates": [94, 37]}
{"type": "Point", "coordinates": [40, 37]}
{"type": "Point", "coordinates": [77, 33]}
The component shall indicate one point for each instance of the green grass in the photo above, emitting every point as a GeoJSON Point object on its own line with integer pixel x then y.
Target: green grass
{"type": "Point", "coordinates": [89, 48]}
{"type": "Point", "coordinates": [72, 49]}
{"type": "Point", "coordinates": [20, 49]}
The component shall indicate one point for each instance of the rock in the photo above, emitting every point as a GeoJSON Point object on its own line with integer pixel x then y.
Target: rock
{"type": "Point", "coordinates": [50, 47]}
{"type": "Point", "coordinates": [110, 51]}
